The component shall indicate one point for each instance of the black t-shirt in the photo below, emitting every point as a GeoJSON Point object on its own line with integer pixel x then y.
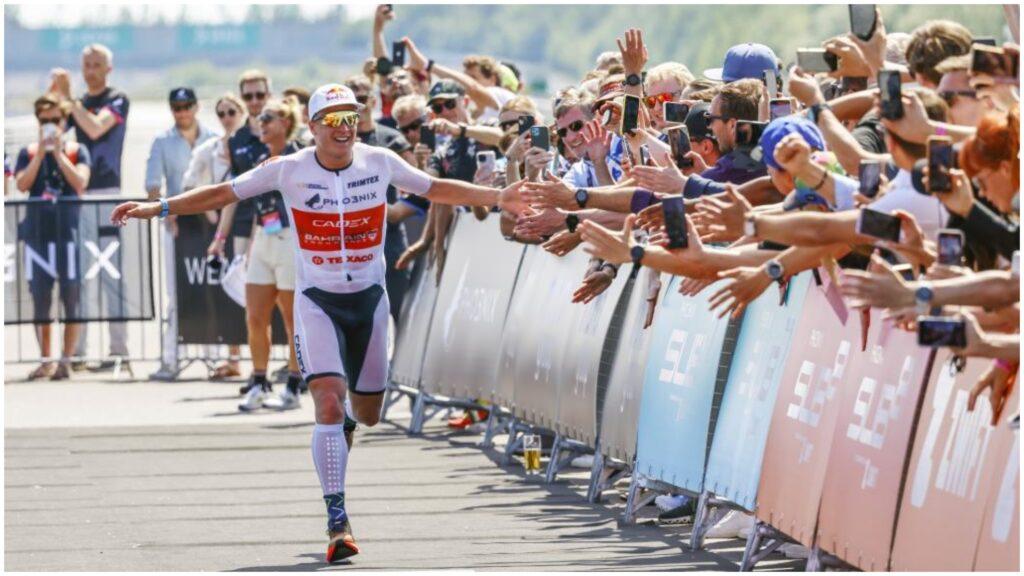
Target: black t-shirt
{"type": "Point", "coordinates": [245, 148]}
{"type": "Point", "coordinates": [269, 206]}
{"type": "Point", "coordinates": [106, 150]}
{"type": "Point", "coordinates": [44, 220]}
{"type": "Point", "coordinates": [456, 159]}
{"type": "Point", "coordinates": [869, 134]}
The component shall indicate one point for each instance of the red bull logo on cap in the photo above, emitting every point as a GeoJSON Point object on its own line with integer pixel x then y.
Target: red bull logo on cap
{"type": "Point", "coordinates": [335, 93]}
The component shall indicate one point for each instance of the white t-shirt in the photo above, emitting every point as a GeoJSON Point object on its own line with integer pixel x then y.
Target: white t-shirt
{"type": "Point", "coordinates": [930, 214]}
{"type": "Point", "coordinates": [500, 94]}
{"type": "Point", "coordinates": [339, 216]}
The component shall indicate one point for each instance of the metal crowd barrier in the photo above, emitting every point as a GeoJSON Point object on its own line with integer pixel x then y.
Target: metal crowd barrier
{"type": "Point", "coordinates": [835, 429]}
{"type": "Point", "coordinates": [117, 273]}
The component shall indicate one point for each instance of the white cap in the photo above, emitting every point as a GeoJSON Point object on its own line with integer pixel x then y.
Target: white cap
{"type": "Point", "coordinates": [330, 95]}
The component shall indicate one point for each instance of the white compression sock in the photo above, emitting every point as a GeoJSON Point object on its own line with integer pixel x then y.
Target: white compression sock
{"type": "Point", "coordinates": [330, 455]}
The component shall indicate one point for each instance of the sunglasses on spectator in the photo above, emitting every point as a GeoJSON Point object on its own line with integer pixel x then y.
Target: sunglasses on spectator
{"type": "Point", "coordinates": [508, 124]}
{"type": "Point", "coordinates": [181, 107]}
{"type": "Point", "coordinates": [362, 98]}
{"type": "Point", "coordinates": [44, 121]}
{"type": "Point", "coordinates": [250, 96]}
{"type": "Point", "coordinates": [948, 95]}
{"type": "Point", "coordinates": [229, 112]}
{"type": "Point", "coordinates": [439, 107]}
{"type": "Point", "coordinates": [336, 119]}
{"type": "Point", "coordinates": [653, 100]}
{"type": "Point", "coordinates": [712, 117]}
{"type": "Point", "coordinates": [411, 126]}
{"type": "Point", "coordinates": [574, 126]}
{"type": "Point", "coordinates": [268, 116]}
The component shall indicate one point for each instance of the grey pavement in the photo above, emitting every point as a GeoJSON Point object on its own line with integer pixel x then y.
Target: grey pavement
{"type": "Point", "coordinates": [96, 487]}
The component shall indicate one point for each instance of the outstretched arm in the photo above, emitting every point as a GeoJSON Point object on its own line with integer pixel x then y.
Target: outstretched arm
{"type": "Point", "coordinates": [457, 192]}
{"type": "Point", "coordinates": [194, 201]}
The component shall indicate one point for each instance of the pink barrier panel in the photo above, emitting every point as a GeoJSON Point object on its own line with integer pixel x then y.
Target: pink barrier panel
{"type": "Point", "coordinates": [946, 487]}
{"type": "Point", "coordinates": [796, 454]}
{"type": "Point", "coordinates": [877, 407]}
{"type": "Point", "coordinates": [999, 541]}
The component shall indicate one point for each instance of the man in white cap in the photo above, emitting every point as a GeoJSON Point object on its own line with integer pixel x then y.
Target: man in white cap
{"type": "Point", "coordinates": [335, 192]}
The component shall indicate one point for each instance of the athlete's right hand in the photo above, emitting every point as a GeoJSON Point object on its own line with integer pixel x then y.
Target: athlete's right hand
{"type": "Point", "coordinates": [216, 248]}
{"type": "Point", "coordinates": [510, 199]}
{"type": "Point", "coordinates": [140, 210]}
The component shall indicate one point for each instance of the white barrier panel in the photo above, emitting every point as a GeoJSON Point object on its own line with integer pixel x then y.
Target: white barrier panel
{"type": "Point", "coordinates": [469, 314]}
{"type": "Point", "coordinates": [411, 337]}
{"type": "Point", "coordinates": [577, 384]}
{"type": "Point", "coordinates": [621, 411]}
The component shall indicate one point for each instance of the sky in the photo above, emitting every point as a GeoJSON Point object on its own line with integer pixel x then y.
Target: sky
{"type": "Point", "coordinates": [37, 15]}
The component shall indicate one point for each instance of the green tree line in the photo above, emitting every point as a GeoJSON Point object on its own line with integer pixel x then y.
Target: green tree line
{"type": "Point", "coordinates": [568, 38]}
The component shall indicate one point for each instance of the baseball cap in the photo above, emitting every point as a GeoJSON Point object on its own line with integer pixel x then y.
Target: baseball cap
{"type": "Point", "coordinates": [697, 122]}
{"type": "Point", "coordinates": [446, 89]}
{"type": "Point", "coordinates": [779, 128]}
{"type": "Point", "coordinates": [182, 94]}
{"type": "Point", "coordinates": [745, 61]}
{"type": "Point", "coordinates": [330, 95]}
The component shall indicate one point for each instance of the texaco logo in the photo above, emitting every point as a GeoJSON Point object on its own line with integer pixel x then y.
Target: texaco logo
{"type": "Point", "coordinates": [318, 260]}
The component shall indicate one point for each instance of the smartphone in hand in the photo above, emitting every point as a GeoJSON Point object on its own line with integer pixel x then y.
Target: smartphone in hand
{"type": "Point", "coordinates": [630, 114]}
{"type": "Point", "coordinates": [951, 247]}
{"type": "Point", "coordinates": [878, 224]}
{"type": "Point", "coordinates": [940, 162]}
{"type": "Point", "coordinates": [816, 60]}
{"type": "Point", "coordinates": [398, 54]}
{"type": "Point", "coordinates": [674, 211]}
{"type": "Point", "coordinates": [675, 112]}
{"type": "Point", "coordinates": [890, 88]}
{"type": "Point", "coordinates": [870, 177]}
{"type": "Point", "coordinates": [540, 137]}
{"type": "Point", "coordinates": [679, 143]}
{"type": "Point", "coordinates": [941, 331]}
{"type": "Point", "coordinates": [779, 107]}
{"type": "Point", "coordinates": [862, 21]}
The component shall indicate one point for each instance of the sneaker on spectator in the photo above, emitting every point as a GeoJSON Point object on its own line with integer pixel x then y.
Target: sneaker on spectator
{"type": "Point", "coordinates": [287, 400]}
{"type": "Point", "coordinates": [681, 514]}
{"type": "Point", "coordinates": [583, 461]}
{"type": "Point", "coordinates": [44, 370]}
{"type": "Point", "coordinates": [730, 525]}
{"type": "Point", "coordinates": [667, 502]}
{"type": "Point", "coordinates": [78, 366]}
{"type": "Point", "coordinates": [63, 372]}
{"type": "Point", "coordinates": [108, 365]}
{"type": "Point", "coordinates": [253, 399]}
{"type": "Point", "coordinates": [795, 551]}
{"type": "Point", "coordinates": [164, 374]}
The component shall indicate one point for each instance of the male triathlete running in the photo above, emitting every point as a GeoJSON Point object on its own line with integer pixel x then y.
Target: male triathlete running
{"type": "Point", "coordinates": [336, 195]}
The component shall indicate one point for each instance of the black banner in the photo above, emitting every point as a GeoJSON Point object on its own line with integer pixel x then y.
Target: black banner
{"type": "Point", "coordinates": [63, 260]}
{"type": "Point", "coordinates": [206, 314]}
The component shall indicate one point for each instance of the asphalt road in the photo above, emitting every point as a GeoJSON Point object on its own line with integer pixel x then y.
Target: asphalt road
{"type": "Point", "coordinates": [124, 475]}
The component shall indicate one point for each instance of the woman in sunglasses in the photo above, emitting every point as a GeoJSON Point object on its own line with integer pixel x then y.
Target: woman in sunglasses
{"type": "Point", "coordinates": [211, 164]}
{"type": "Point", "coordinates": [336, 196]}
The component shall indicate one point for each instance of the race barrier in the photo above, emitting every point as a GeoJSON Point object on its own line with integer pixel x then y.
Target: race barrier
{"type": "Point", "coordinates": [959, 463]}
{"type": "Point", "coordinates": [99, 272]}
{"type": "Point", "coordinates": [741, 432]}
{"type": "Point", "coordinates": [834, 428]}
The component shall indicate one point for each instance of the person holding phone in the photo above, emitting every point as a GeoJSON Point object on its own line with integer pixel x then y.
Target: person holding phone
{"type": "Point", "coordinates": [51, 169]}
{"type": "Point", "coordinates": [664, 83]}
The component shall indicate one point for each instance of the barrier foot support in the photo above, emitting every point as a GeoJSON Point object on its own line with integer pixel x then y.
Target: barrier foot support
{"type": "Point", "coordinates": [515, 439]}
{"type": "Point", "coordinates": [821, 561]}
{"type": "Point", "coordinates": [709, 512]}
{"type": "Point", "coordinates": [603, 475]}
{"type": "Point", "coordinates": [418, 411]}
{"type": "Point", "coordinates": [634, 500]}
{"type": "Point", "coordinates": [762, 541]}
{"type": "Point", "coordinates": [391, 396]}
{"type": "Point", "coordinates": [557, 463]}
{"type": "Point", "coordinates": [495, 425]}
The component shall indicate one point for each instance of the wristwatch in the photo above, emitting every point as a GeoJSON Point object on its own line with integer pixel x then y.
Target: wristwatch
{"type": "Point", "coordinates": [582, 196]}
{"type": "Point", "coordinates": [750, 227]}
{"type": "Point", "coordinates": [636, 253]}
{"type": "Point", "coordinates": [775, 270]}
{"type": "Point", "coordinates": [634, 80]}
{"type": "Point", "coordinates": [462, 130]}
{"type": "Point", "coordinates": [165, 208]}
{"type": "Point", "coordinates": [571, 222]}
{"type": "Point", "coordinates": [815, 110]}
{"type": "Point", "coordinates": [923, 297]}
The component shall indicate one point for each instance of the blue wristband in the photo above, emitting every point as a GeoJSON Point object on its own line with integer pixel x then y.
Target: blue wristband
{"type": "Point", "coordinates": [165, 208]}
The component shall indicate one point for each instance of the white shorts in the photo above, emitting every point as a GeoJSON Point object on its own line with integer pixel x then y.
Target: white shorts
{"type": "Point", "coordinates": [344, 335]}
{"type": "Point", "coordinates": [272, 259]}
